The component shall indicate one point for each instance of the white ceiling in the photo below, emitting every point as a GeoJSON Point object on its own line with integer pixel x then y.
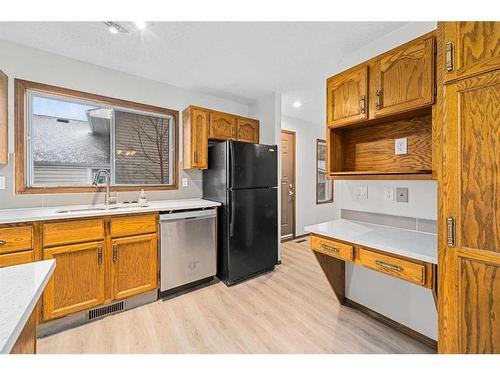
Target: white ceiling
{"type": "Point", "coordinates": [235, 60]}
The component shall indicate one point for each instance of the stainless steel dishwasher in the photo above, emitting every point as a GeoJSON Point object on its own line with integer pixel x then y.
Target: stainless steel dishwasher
{"type": "Point", "coordinates": [188, 249]}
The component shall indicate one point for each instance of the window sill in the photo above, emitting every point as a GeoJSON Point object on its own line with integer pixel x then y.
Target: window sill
{"type": "Point", "coordinates": [89, 189]}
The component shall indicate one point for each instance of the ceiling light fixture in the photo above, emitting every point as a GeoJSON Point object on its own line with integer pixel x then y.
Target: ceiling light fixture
{"type": "Point", "coordinates": [141, 25]}
{"type": "Point", "coordinates": [115, 28]}
{"type": "Point", "coordinates": [296, 104]}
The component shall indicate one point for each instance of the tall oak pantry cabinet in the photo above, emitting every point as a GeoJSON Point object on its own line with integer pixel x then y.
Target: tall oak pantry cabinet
{"type": "Point", "coordinates": [469, 187]}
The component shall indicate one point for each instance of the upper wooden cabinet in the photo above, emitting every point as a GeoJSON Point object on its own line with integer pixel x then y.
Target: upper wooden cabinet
{"type": "Point", "coordinates": [78, 280]}
{"type": "Point", "coordinates": [347, 97]}
{"type": "Point", "coordinates": [195, 130]}
{"type": "Point", "coordinates": [403, 78]}
{"type": "Point", "coordinates": [201, 125]}
{"type": "Point", "coordinates": [470, 48]}
{"type": "Point", "coordinates": [4, 140]}
{"type": "Point", "coordinates": [247, 130]}
{"type": "Point", "coordinates": [222, 126]}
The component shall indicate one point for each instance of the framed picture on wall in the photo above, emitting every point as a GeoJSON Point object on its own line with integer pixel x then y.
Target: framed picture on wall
{"type": "Point", "coordinates": [324, 186]}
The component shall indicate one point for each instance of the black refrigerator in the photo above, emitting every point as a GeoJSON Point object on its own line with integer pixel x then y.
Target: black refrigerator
{"type": "Point", "coordinates": [244, 178]}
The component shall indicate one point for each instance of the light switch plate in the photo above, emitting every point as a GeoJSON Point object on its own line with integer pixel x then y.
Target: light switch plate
{"type": "Point", "coordinates": [389, 193]}
{"type": "Point", "coordinates": [402, 194]}
{"type": "Point", "coordinates": [2, 182]}
{"type": "Point", "coordinates": [401, 146]}
{"type": "Point", "coordinates": [361, 192]}
{"type": "Point", "coordinates": [185, 182]}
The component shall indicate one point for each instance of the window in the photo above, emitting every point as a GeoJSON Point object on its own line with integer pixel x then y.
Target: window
{"type": "Point", "coordinates": [68, 136]}
{"type": "Point", "coordinates": [324, 186]}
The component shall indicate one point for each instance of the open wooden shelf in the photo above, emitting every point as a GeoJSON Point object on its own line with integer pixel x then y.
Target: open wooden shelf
{"type": "Point", "coordinates": [367, 152]}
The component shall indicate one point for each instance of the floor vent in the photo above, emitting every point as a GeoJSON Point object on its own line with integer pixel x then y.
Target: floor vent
{"type": "Point", "coordinates": [300, 241]}
{"type": "Point", "coordinates": [101, 311]}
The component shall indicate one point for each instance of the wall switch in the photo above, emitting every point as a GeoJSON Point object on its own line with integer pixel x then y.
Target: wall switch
{"type": "Point", "coordinates": [2, 182]}
{"type": "Point", "coordinates": [389, 193]}
{"type": "Point", "coordinates": [361, 192]}
{"type": "Point", "coordinates": [185, 182]}
{"type": "Point", "coordinates": [402, 194]}
{"type": "Point", "coordinates": [401, 146]}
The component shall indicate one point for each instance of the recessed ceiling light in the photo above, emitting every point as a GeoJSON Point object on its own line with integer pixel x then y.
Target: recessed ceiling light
{"type": "Point", "coordinates": [113, 30]}
{"type": "Point", "coordinates": [296, 104]}
{"type": "Point", "coordinates": [141, 25]}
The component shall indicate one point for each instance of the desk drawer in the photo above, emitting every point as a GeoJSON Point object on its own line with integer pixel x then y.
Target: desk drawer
{"type": "Point", "coordinates": [74, 231]}
{"type": "Point", "coordinates": [15, 239]}
{"type": "Point", "coordinates": [403, 269]}
{"type": "Point", "coordinates": [332, 248]}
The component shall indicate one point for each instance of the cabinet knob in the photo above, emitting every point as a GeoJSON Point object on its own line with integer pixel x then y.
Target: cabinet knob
{"type": "Point", "coordinates": [3, 242]}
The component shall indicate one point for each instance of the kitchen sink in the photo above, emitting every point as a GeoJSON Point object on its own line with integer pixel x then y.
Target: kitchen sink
{"type": "Point", "coordinates": [119, 206]}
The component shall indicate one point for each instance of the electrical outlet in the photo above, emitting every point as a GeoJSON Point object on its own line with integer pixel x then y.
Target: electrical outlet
{"type": "Point", "coordinates": [401, 146]}
{"type": "Point", "coordinates": [2, 182]}
{"type": "Point", "coordinates": [361, 192]}
{"type": "Point", "coordinates": [185, 182]}
{"type": "Point", "coordinates": [389, 193]}
{"type": "Point", "coordinates": [402, 194]}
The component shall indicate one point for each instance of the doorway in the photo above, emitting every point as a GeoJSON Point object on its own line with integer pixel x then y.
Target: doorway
{"type": "Point", "coordinates": [288, 199]}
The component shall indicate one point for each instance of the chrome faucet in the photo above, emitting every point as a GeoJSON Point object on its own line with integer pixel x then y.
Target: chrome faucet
{"type": "Point", "coordinates": [108, 199]}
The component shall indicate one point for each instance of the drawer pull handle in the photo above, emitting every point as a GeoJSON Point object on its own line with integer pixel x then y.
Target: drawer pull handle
{"type": "Point", "coordinates": [330, 248]}
{"type": "Point", "coordinates": [389, 266]}
{"type": "Point", "coordinates": [115, 253]}
{"type": "Point", "coordinates": [3, 242]}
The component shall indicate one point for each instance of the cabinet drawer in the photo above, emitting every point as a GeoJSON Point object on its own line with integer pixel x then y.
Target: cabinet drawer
{"type": "Point", "coordinates": [15, 239]}
{"type": "Point", "coordinates": [77, 231]}
{"type": "Point", "coordinates": [332, 248]}
{"type": "Point", "coordinates": [131, 225]}
{"type": "Point", "coordinates": [14, 259]}
{"type": "Point", "coordinates": [403, 269]}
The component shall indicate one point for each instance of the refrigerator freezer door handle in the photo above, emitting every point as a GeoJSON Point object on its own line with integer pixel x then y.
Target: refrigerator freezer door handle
{"type": "Point", "coordinates": [231, 215]}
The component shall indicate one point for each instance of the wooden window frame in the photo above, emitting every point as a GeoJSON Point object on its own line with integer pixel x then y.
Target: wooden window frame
{"type": "Point", "coordinates": [318, 141]}
{"type": "Point", "coordinates": [20, 94]}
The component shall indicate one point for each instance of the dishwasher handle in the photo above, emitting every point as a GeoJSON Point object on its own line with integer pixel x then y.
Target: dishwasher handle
{"type": "Point", "coordinates": [189, 215]}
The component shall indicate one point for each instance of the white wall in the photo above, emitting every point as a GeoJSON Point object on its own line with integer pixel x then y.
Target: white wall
{"type": "Point", "coordinates": [35, 65]}
{"type": "Point", "coordinates": [307, 211]}
{"type": "Point", "coordinates": [403, 302]}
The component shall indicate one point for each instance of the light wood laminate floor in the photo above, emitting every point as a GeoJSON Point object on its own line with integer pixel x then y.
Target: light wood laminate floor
{"type": "Point", "coordinates": [290, 310]}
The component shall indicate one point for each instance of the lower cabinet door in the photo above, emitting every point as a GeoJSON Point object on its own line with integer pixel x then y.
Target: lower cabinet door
{"type": "Point", "coordinates": [78, 280]}
{"type": "Point", "coordinates": [134, 265]}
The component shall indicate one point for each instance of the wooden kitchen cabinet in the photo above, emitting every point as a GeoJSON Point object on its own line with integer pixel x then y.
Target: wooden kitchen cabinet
{"type": "Point", "coordinates": [403, 79]}
{"type": "Point", "coordinates": [469, 264]}
{"type": "Point", "coordinates": [195, 130]}
{"type": "Point", "coordinates": [78, 280]}
{"type": "Point", "coordinates": [134, 267]}
{"type": "Point", "coordinates": [470, 48]}
{"type": "Point", "coordinates": [247, 130]}
{"type": "Point", "coordinates": [13, 259]}
{"type": "Point", "coordinates": [201, 125]}
{"type": "Point", "coordinates": [347, 97]}
{"type": "Point", "coordinates": [222, 126]}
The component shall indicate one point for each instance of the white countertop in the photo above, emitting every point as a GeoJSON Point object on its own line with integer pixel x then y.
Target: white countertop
{"type": "Point", "coordinates": [412, 244]}
{"type": "Point", "coordinates": [19, 215]}
{"type": "Point", "coordinates": [20, 289]}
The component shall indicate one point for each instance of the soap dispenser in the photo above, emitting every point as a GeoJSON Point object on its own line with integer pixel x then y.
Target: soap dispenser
{"type": "Point", "coordinates": [143, 201]}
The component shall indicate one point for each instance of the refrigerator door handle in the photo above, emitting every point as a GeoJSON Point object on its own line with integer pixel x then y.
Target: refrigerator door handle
{"type": "Point", "coordinates": [231, 215]}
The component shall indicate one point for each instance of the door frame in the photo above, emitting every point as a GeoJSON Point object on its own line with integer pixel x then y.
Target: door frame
{"type": "Point", "coordinates": [294, 163]}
